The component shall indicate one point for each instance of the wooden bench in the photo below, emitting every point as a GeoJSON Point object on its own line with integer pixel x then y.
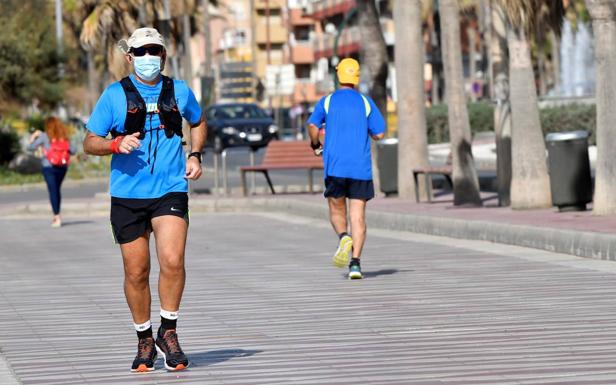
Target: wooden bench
{"type": "Point", "coordinates": [446, 171]}
{"type": "Point", "coordinates": [280, 155]}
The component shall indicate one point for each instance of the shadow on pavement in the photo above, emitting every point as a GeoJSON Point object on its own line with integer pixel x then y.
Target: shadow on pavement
{"type": "Point", "coordinates": [218, 356]}
{"type": "Point", "coordinates": [377, 273]}
{"type": "Point", "coordinates": [74, 223]}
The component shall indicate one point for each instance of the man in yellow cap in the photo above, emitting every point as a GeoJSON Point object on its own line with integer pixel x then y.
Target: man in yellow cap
{"type": "Point", "coordinates": [351, 119]}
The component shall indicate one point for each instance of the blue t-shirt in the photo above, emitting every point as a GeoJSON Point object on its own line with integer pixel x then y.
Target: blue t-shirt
{"type": "Point", "coordinates": [346, 151]}
{"type": "Point", "coordinates": [158, 167]}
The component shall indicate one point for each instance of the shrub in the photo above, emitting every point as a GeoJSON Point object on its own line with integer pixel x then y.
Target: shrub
{"type": "Point", "coordinates": [570, 117]}
{"type": "Point", "coordinates": [481, 116]}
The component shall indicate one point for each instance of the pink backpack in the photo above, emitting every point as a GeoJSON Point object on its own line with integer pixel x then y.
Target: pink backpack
{"type": "Point", "coordinates": [59, 152]}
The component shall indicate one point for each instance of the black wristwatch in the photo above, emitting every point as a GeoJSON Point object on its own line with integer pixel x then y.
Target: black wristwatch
{"type": "Point", "coordinates": [196, 154]}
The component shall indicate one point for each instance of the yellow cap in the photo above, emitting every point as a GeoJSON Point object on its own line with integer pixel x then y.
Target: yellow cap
{"type": "Point", "coordinates": [348, 71]}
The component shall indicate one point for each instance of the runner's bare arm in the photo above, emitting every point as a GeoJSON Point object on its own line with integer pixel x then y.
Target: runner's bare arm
{"type": "Point", "coordinates": [378, 136]}
{"type": "Point", "coordinates": [96, 145]}
{"type": "Point", "coordinates": [198, 134]}
{"type": "Point", "coordinates": [313, 131]}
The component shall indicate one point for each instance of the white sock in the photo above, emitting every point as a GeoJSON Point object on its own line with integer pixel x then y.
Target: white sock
{"type": "Point", "coordinates": [171, 315]}
{"type": "Point", "coordinates": [143, 327]}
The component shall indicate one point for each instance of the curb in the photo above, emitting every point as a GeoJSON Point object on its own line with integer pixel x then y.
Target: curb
{"type": "Point", "coordinates": [579, 243]}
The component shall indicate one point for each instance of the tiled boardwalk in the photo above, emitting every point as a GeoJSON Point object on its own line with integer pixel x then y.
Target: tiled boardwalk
{"type": "Point", "coordinates": [263, 306]}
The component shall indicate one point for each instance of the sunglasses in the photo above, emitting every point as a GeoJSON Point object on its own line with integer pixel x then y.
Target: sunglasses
{"type": "Point", "coordinates": [154, 50]}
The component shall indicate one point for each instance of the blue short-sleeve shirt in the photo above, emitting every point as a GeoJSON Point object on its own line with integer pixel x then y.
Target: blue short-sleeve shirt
{"type": "Point", "coordinates": [158, 167]}
{"type": "Point", "coordinates": [346, 151]}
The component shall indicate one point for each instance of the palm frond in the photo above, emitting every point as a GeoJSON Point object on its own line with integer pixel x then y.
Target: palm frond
{"type": "Point", "coordinates": [527, 14]}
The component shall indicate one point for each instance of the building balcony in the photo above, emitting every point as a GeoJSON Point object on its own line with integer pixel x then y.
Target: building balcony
{"type": "Point", "coordinates": [323, 9]}
{"type": "Point", "coordinates": [277, 33]}
{"type": "Point", "coordinates": [298, 18]}
{"type": "Point", "coordinates": [348, 44]}
{"type": "Point", "coordinates": [302, 53]}
{"type": "Point", "coordinates": [272, 4]}
{"type": "Point", "coordinates": [305, 91]}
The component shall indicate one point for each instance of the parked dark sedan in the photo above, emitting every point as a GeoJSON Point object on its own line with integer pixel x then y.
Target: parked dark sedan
{"type": "Point", "coordinates": [239, 124]}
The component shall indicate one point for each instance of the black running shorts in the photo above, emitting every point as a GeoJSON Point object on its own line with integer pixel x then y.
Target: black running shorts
{"type": "Point", "coordinates": [336, 187]}
{"type": "Point", "coordinates": [131, 218]}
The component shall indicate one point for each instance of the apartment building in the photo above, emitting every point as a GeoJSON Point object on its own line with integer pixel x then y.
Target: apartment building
{"type": "Point", "coordinates": [336, 36]}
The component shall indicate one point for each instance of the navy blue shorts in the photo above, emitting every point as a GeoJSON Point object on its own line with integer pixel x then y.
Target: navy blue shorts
{"type": "Point", "coordinates": [336, 187]}
{"type": "Point", "coordinates": [131, 218]}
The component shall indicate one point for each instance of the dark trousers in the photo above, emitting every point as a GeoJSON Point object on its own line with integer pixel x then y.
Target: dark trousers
{"type": "Point", "coordinates": [54, 177]}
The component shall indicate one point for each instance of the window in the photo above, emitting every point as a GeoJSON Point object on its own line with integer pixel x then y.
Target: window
{"type": "Point", "coordinates": [302, 71]}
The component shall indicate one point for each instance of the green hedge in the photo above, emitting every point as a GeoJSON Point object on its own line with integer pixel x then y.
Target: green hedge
{"type": "Point", "coordinates": [554, 119]}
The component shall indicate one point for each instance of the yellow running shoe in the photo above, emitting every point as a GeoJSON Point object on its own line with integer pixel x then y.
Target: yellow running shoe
{"type": "Point", "coordinates": [341, 258]}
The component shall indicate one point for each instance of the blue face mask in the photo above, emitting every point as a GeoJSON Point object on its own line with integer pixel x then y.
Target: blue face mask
{"type": "Point", "coordinates": [147, 67]}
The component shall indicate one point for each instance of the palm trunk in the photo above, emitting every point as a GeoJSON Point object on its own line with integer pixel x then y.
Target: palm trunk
{"type": "Point", "coordinates": [375, 59]}
{"type": "Point", "coordinates": [412, 131]}
{"type": "Point", "coordinates": [603, 15]}
{"type": "Point", "coordinates": [502, 112]}
{"type": "Point", "coordinates": [530, 184]}
{"type": "Point", "coordinates": [465, 181]}
{"type": "Point", "coordinates": [556, 60]}
{"type": "Point", "coordinates": [472, 63]}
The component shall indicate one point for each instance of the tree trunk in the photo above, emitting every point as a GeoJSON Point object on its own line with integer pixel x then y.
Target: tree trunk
{"type": "Point", "coordinates": [374, 58]}
{"type": "Point", "coordinates": [465, 181]}
{"type": "Point", "coordinates": [472, 63]}
{"type": "Point", "coordinates": [502, 112]}
{"type": "Point", "coordinates": [530, 183]}
{"type": "Point", "coordinates": [412, 131]}
{"type": "Point", "coordinates": [556, 60]}
{"type": "Point", "coordinates": [603, 13]}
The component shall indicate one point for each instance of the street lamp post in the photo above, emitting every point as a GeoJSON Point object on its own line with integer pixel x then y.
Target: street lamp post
{"type": "Point", "coordinates": [59, 38]}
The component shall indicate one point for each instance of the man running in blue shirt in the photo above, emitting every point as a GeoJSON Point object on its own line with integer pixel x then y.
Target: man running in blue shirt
{"type": "Point", "coordinates": [149, 186]}
{"type": "Point", "coordinates": [351, 119]}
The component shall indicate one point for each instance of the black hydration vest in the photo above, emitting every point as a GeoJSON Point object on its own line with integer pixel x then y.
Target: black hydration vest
{"type": "Point", "coordinates": [170, 117]}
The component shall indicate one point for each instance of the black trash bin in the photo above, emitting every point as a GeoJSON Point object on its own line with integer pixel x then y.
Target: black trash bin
{"type": "Point", "coordinates": [569, 168]}
{"type": "Point", "coordinates": [388, 165]}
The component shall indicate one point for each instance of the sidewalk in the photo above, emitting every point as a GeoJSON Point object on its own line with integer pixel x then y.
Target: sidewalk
{"type": "Point", "coordinates": [576, 233]}
{"type": "Point", "coordinates": [263, 306]}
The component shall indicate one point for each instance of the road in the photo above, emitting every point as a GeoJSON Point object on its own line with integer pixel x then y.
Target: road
{"type": "Point", "coordinates": [263, 305]}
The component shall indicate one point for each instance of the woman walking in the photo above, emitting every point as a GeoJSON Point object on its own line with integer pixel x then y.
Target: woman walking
{"type": "Point", "coordinates": [57, 151]}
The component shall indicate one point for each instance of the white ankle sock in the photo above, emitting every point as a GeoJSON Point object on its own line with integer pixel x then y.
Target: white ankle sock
{"type": "Point", "coordinates": [171, 315]}
{"type": "Point", "coordinates": [143, 327]}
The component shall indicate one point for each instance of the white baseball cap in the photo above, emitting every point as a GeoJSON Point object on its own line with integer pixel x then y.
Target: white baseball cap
{"type": "Point", "coordinates": [141, 37]}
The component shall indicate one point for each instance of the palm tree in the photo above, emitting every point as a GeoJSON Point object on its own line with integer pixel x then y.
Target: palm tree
{"type": "Point", "coordinates": [502, 112]}
{"type": "Point", "coordinates": [106, 22]}
{"type": "Point", "coordinates": [412, 132]}
{"type": "Point", "coordinates": [530, 184]}
{"type": "Point", "coordinates": [465, 181]}
{"type": "Point", "coordinates": [603, 14]}
{"type": "Point", "coordinates": [374, 58]}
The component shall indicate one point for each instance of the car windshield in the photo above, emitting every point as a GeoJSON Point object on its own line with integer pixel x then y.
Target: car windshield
{"type": "Point", "coordinates": [241, 111]}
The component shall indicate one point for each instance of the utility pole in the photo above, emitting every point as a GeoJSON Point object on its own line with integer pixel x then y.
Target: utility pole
{"type": "Point", "coordinates": [59, 38]}
{"type": "Point", "coordinates": [188, 73]}
{"type": "Point", "coordinates": [268, 42]}
{"type": "Point", "coordinates": [207, 70]}
{"type": "Point", "coordinates": [167, 35]}
{"type": "Point", "coordinates": [253, 47]}
{"type": "Point", "coordinates": [207, 77]}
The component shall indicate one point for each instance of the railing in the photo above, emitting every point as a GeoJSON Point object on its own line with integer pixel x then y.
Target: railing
{"type": "Point", "coordinates": [348, 42]}
{"type": "Point", "coordinates": [325, 8]}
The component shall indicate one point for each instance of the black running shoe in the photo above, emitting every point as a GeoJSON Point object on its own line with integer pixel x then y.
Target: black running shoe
{"type": "Point", "coordinates": [146, 356]}
{"type": "Point", "coordinates": [168, 346]}
{"type": "Point", "coordinates": [355, 269]}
